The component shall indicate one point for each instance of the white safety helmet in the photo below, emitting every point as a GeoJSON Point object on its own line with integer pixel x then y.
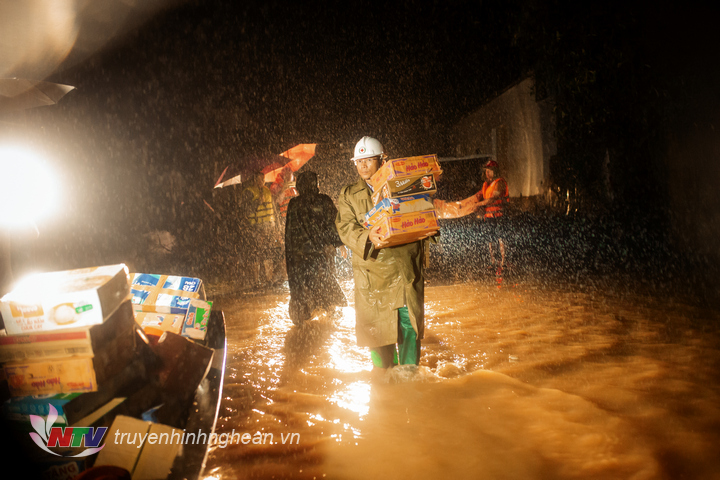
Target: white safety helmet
{"type": "Point", "coordinates": [369, 147]}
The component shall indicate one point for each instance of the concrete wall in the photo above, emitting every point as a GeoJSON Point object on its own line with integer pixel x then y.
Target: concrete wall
{"type": "Point", "coordinates": [518, 131]}
{"type": "Point", "coordinates": [694, 172]}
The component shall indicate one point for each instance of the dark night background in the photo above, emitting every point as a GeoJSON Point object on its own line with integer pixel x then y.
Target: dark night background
{"type": "Point", "coordinates": [176, 96]}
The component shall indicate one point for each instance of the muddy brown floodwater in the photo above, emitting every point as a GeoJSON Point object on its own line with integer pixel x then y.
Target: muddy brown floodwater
{"type": "Point", "coordinates": [525, 381]}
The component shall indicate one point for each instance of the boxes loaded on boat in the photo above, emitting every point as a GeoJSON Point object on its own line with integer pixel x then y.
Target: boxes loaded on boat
{"type": "Point", "coordinates": [71, 360]}
{"type": "Point", "coordinates": [170, 303]}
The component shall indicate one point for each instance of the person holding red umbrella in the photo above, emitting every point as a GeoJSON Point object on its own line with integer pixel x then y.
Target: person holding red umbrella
{"type": "Point", "coordinates": [265, 239]}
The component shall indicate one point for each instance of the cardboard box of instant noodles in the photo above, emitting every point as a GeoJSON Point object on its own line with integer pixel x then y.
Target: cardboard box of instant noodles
{"type": "Point", "coordinates": [71, 360]}
{"type": "Point", "coordinates": [64, 375]}
{"type": "Point", "coordinates": [406, 167]}
{"type": "Point", "coordinates": [393, 206]}
{"type": "Point", "coordinates": [413, 185]}
{"type": "Point", "coordinates": [405, 228]}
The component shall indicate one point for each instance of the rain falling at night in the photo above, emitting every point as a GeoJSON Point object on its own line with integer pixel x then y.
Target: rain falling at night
{"type": "Point", "coordinates": [421, 240]}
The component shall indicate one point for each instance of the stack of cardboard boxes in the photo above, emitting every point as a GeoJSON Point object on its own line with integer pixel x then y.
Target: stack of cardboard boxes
{"type": "Point", "coordinates": [166, 303]}
{"type": "Point", "coordinates": [401, 198]}
{"type": "Point", "coordinates": [89, 344]}
{"type": "Point", "coordinates": [67, 332]}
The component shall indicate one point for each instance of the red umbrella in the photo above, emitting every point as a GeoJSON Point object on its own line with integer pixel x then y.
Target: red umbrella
{"type": "Point", "coordinates": [301, 153]}
{"type": "Point", "coordinates": [298, 155]}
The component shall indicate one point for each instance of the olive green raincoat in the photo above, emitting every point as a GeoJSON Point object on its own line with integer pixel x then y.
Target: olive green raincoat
{"type": "Point", "coordinates": [385, 279]}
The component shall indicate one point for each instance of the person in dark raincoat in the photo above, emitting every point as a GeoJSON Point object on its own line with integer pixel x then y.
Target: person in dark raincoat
{"type": "Point", "coordinates": [310, 241]}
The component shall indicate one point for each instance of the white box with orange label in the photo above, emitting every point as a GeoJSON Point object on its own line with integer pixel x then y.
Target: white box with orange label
{"type": "Point", "coordinates": [68, 299]}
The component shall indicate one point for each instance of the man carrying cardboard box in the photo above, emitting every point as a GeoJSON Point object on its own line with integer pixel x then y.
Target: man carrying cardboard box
{"type": "Point", "coordinates": [389, 282]}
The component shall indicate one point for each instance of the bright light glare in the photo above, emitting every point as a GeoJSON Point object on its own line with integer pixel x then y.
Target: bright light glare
{"type": "Point", "coordinates": [28, 189]}
{"type": "Point", "coordinates": [356, 398]}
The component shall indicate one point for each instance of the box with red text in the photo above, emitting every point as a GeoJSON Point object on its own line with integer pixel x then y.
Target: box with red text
{"type": "Point", "coordinates": [405, 167]}
{"type": "Point", "coordinates": [405, 228]}
{"type": "Point", "coordinates": [66, 375]}
{"type": "Point", "coordinates": [391, 206]}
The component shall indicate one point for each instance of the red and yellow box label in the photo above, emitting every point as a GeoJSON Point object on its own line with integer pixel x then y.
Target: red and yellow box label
{"type": "Point", "coordinates": [402, 167]}
{"type": "Point", "coordinates": [405, 228]}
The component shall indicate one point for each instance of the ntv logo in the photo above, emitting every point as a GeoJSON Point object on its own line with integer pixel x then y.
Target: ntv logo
{"type": "Point", "coordinates": [49, 436]}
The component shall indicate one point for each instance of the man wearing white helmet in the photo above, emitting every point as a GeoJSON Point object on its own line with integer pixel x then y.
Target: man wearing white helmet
{"type": "Point", "coordinates": [389, 281]}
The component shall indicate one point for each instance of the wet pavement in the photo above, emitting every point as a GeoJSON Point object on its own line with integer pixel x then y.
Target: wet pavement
{"type": "Point", "coordinates": [524, 381]}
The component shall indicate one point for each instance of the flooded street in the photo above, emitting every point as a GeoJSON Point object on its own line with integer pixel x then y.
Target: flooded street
{"type": "Point", "coordinates": [573, 146]}
{"type": "Point", "coordinates": [523, 381]}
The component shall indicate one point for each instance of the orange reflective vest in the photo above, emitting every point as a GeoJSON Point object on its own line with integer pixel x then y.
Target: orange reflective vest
{"type": "Point", "coordinates": [495, 208]}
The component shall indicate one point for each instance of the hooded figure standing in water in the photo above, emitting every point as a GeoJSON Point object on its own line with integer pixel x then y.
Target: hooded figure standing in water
{"type": "Point", "coordinates": [310, 241]}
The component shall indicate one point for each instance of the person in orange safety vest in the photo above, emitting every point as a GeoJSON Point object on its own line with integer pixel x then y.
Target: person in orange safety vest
{"type": "Point", "coordinates": [494, 196]}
